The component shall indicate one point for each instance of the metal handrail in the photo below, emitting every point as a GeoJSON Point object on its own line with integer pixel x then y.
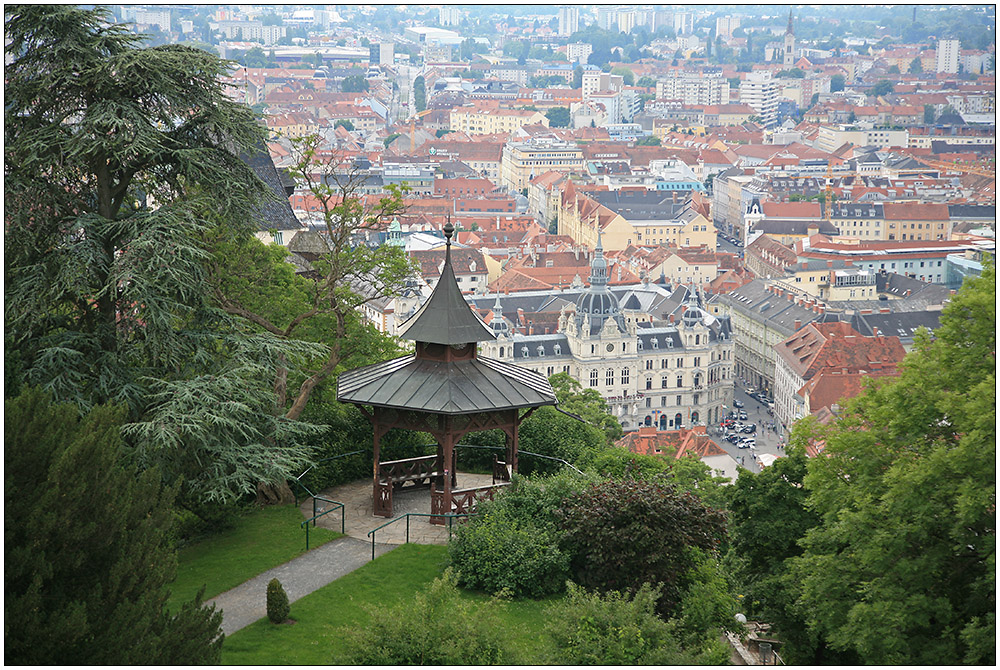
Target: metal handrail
{"type": "Point", "coordinates": [449, 516]}
{"type": "Point", "coordinates": [305, 524]}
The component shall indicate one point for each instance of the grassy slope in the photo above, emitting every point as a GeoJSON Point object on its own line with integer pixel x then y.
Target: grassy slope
{"type": "Point", "coordinates": [260, 541]}
{"type": "Point", "coordinates": [322, 617]}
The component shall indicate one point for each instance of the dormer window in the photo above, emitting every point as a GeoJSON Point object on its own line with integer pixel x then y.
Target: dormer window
{"type": "Point", "coordinates": [639, 345]}
{"type": "Point", "coordinates": [656, 343]}
{"type": "Point", "coordinates": [541, 350]}
{"type": "Point", "coordinates": [524, 352]}
{"type": "Point", "coordinates": [556, 349]}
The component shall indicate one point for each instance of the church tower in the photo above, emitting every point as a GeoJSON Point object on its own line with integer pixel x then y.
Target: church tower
{"type": "Point", "coordinates": [789, 44]}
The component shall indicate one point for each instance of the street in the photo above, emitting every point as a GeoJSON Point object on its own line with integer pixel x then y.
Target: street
{"type": "Point", "coordinates": [767, 440]}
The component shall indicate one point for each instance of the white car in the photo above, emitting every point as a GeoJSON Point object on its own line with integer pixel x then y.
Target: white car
{"type": "Point", "coordinates": [747, 443]}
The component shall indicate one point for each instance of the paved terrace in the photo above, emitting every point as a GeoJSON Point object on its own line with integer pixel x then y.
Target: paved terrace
{"type": "Point", "coordinates": [315, 569]}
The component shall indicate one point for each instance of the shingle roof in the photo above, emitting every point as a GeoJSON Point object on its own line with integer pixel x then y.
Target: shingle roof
{"type": "Point", "coordinates": [276, 213]}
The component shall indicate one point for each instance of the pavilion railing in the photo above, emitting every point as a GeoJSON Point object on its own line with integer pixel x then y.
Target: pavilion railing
{"type": "Point", "coordinates": [463, 501]}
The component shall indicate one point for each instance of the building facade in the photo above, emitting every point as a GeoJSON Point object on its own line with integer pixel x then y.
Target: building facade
{"type": "Point", "coordinates": [668, 375]}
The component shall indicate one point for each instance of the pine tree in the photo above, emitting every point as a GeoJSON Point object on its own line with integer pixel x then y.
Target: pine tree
{"type": "Point", "coordinates": [87, 553]}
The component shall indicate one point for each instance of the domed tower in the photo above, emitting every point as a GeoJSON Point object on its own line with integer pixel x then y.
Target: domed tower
{"type": "Point", "coordinates": [597, 303]}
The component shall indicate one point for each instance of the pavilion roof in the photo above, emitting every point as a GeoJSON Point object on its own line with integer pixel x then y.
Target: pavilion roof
{"type": "Point", "coordinates": [458, 387]}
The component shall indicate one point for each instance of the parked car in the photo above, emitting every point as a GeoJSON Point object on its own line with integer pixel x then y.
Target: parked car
{"type": "Point", "coordinates": [738, 403]}
{"type": "Point", "coordinates": [747, 443]}
{"type": "Point", "coordinates": [752, 429]}
{"type": "Point", "coordinates": [743, 415]}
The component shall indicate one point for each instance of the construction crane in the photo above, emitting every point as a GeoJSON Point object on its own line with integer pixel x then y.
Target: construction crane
{"type": "Point", "coordinates": [943, 165]}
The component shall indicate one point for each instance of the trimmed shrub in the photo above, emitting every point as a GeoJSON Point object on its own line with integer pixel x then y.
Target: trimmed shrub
{"type": "Point", "coordinates": [277, 602]}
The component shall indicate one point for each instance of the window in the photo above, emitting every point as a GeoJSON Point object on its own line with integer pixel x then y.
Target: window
{"type": "Point", "coordinates": [678, 401]}
{"type": "Point", "coordinates": [680, 362]}
{"type": "Point", "coordinates": [697, 361]}
{"type": "Point", "coordinates": [649, 384]}
{"type": "Point", "coordinates": [663, 383]}
{"type": "Point", "coordinates": [663, 401]}
{"type": "Point", "coordinates": [276, 236]}
{"type": "Point", "coordinates": [624, 375]}
{"type": "Point", "coordinates": [593, 377]}
{"type": "Point", "coordinates": [524, 352]}
{"type": "Point", "coordinates": [649, 364]}
{"type": "Point", "coordinates": [609, 378]}
{"type": "Point", "coordinates": [680, 381]}
{"type": "Point", "coordinates": [664, 363]}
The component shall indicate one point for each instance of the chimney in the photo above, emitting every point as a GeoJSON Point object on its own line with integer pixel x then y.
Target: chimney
{"type": "Point", "coordinates": [802, 265]}
{"type": "Point", "coordinates": [671, 318]}
{"type": "Point", "coordinates": [798, 325]}
{"type": "Point", "coordinates": [884, 310]}
{"type": "Point", "coordinates": [829, 264]}
{"type": "Point", "coordinates": [822, 309]}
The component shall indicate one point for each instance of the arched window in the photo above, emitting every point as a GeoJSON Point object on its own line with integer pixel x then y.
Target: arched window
{"type": "Point", "coordinates": [694, 417]}
{"type": "Point", "coordinates": [677, 420]}
{"type": "Point", "coordinates": [501, 352]}
{"type": "Point", "coordinates": [697, 339]}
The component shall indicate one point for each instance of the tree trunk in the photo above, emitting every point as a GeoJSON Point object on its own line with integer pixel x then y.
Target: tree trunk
{"type": "Point", "coordinates": [275, 494]}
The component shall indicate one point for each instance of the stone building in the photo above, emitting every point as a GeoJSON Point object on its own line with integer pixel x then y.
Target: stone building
{"type": "Point", "coordinates": [657, 357]}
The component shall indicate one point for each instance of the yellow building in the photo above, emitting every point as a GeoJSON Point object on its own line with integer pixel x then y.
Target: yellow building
{"type": "Point", "coordinates": [523, 161]}
{"type": "Point", "coordinates": [627, 218]}
{"type": "Point", "coordinates": [479, 121]}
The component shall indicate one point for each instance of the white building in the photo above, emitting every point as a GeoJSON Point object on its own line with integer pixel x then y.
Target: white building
{"type": "Point", "coordinates": [449, 15]}
{"type": "Point", "coordinates": [152, 17]}
{"type": "Point", "coordinates": [683, 23]}
{"type": "Point", "coordinates": [670, 375]}
{"type": "Point", "coordinates": [594, 82]}
{"type": "Point", "coordinates": [760, 91]}
{"type": "Point", "coordinates": [692, 89]}
{"type": "Point", "coordinates": [569, 20]}
{"type": "Point", "coordinates": [947, 56]}
{"type": "Point", "coordinates": [725, 25]}
{"type": "Point", "coordinates": [578, 52]}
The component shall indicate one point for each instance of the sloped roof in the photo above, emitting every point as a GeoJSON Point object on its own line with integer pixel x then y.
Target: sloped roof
{"type": "Point", "coordinates": [446, 318]}
{"type": "Point", "coordinates": [458, 387]}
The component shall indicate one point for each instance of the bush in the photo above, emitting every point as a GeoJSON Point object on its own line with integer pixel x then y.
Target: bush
{"type": "Point", "coordinates": [277, 602]}
{"type": "Point", "coordinates": [622, 533]}
{"type": "Point", "coordinates": [513, 544]}
{"type": "Point", "coordinates": [438, 627]}
{"type": "Point", "coordinates": [612, 629]}
{"type": "Point", "coordinates": [497, 553]}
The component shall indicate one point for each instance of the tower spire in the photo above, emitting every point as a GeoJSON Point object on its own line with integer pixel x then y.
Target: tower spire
{"type": "Point", "coordinates": [790, 30]}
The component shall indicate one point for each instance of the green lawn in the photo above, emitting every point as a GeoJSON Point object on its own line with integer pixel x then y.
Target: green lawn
{"type": "Point", "coordinates": [317, 637]}
{"type": "Point", "coordinates": [261, 540]}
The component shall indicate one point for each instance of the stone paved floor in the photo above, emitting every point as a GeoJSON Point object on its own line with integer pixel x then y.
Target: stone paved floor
{"type": "Point", "coordinates": [315, 569]}
{"type": "Point", "coordinates": [359, 520]}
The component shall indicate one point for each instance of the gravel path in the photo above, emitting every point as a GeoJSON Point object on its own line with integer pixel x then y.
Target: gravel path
{"type": "Point", "coordinates": [301, 576]}
{"type": "Point", "coordinates": [318, 567]}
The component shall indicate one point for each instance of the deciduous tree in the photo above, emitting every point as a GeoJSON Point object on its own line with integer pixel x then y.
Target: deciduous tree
{"type": "Point", "coordinates": [901, 568]}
